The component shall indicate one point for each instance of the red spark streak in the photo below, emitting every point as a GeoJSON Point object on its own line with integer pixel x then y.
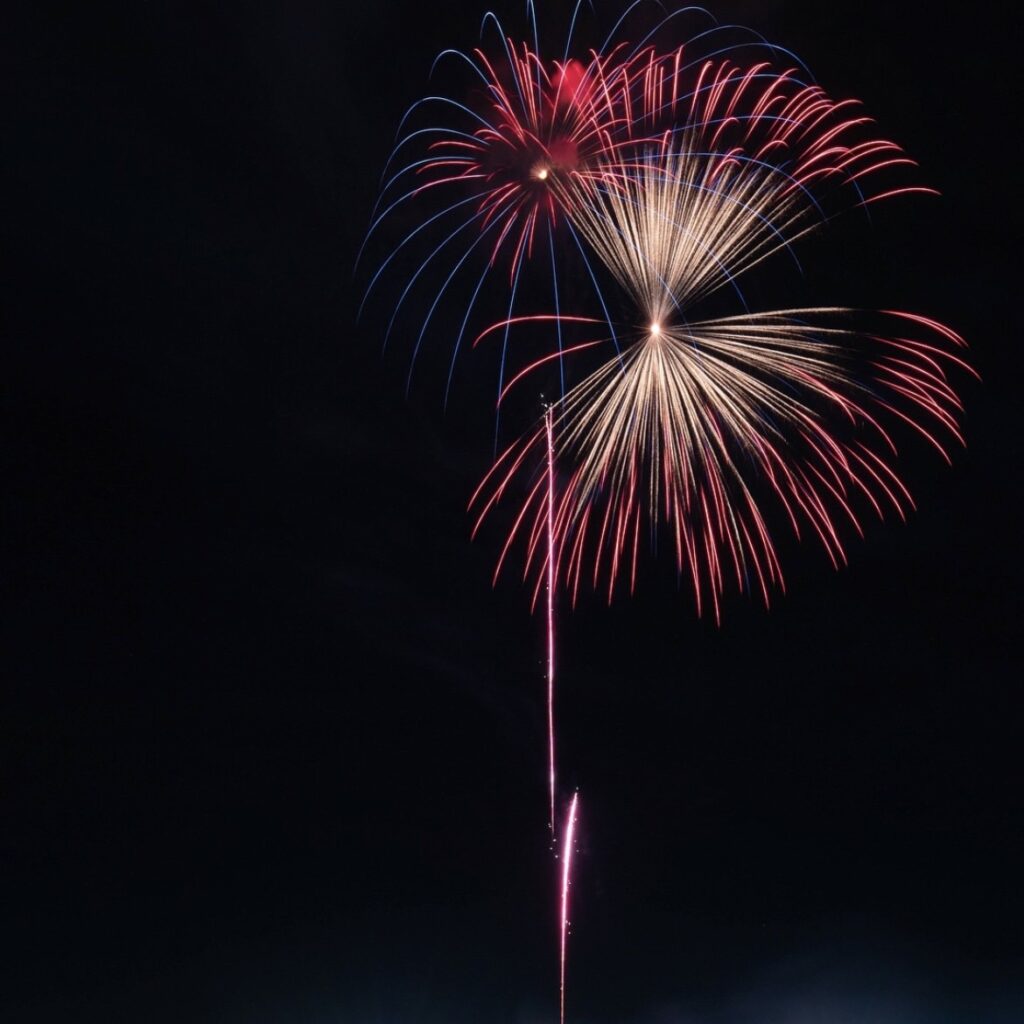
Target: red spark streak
{"type": "Point", "coordinates": [540, 317]}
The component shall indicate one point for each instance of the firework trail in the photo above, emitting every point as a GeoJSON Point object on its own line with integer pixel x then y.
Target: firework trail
{"type": "Point", "coordinates": [567, 851]}
{"type": "Point", "coordinates": [549, 437]}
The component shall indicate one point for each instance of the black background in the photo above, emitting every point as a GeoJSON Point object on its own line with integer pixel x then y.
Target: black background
{"type": "Point", "coordinates": [272, 747]}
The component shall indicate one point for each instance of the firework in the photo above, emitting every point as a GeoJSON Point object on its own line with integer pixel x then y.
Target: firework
{"type": "Point", "coordinates": [672, 174]}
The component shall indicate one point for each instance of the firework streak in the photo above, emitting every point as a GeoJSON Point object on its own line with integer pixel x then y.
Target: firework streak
{"type": "Point", "coordinates": [549, 437]}
{"type": "Point", "coordinates": [567, 850]}
{"type": "Point", "coordinates": [668, 175]}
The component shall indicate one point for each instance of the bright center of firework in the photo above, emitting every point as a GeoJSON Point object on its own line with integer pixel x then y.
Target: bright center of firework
{"type": "Point", "coordinates": [540, 173]}
{"type": "Point", "coordinates": [655, 329]}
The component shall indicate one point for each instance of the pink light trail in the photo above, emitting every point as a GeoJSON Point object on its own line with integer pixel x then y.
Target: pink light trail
{"type": "Point", "coordinates": [549, 429]}
{"type": "Point", "coordinates": [570, 830]}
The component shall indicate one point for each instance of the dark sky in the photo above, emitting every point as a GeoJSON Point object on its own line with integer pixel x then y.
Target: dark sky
{"type": "Point", "coordinates": [272, 749]}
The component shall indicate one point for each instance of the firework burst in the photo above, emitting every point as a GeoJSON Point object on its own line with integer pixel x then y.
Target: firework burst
{"type": "Point", "coordinates": [532, 125]}
{"type": "Point", "coordinates": [695, 421]}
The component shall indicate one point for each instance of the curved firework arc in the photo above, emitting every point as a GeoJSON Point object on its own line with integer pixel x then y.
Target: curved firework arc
{"type": "Point", "coordinates": [422, 226]}
{"type": "Point", "coordinates": [423, 266]}
{"type": "Point", "coordinates": [413, 166]}
{"type": "Point", "coordinates": [572, 27]}
{"type": "Point", "coordinates": [433, 306]}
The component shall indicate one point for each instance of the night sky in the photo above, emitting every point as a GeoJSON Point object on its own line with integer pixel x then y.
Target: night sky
{"type": "Point", "coordinates": [271, 747]}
